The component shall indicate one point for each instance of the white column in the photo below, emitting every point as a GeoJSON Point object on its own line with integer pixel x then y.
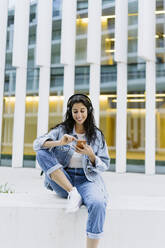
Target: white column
{"type": "Point", "coordinates": [146, 50]}
{"type": "Point", "coordinates": [150, 127]}
{"type": "Point", "coordinates": [94, 90]}
{"type": "Point", "coordinates": [69, 79]}
{"type": "Point", "coordinates": [121, 123]}
{"type": "Point", "coordinates": [68, 41]}
{"type": "Point", "coordinates": [43, 59]}
{"type": "Point", "coordinates": [146, 29]}
{"type": "Point", "coordinates": [43, 105]}
{"type": "Point", "coordinates": [20, 54]}
{"type": "Point", "coordinates": [94, 53]}
{"type": "Point", "coordinates": [19, 118]}
{"type": "Point", "coordinates": [121, 28]}
{"type": "Point", "coordinates": [3, 34]}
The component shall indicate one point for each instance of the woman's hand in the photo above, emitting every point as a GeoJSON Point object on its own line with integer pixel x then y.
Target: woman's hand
{"type": "Point", "coordinates": [88, 151]}
{"type": "Point", "coordinates": [66, 139]}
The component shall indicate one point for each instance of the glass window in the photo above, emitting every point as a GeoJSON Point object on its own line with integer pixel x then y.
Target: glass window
{"type": "Point", "coordinates": [81, 69]}
{"type": "Point", "coordinates": [10, 18]}
{"type": "Point", "coordinates": [31, 104]}
{"type": "Point", "coordinates": [82, 5]}
{"type": "Point", "coordinates": [33, 13]}
{"type": "Point", "coordinates": [57, 77]}
{"type": "Point", "coordinates": [6, 86]}
{"type": "Point", "coordinates": [81, 32]}
{"type": "Point", "coordinates": [7, 120]}
{"type": "Point", "coordinates": [56, 8]}
{"type": "Point", "coordinates": [108, 78]}
{"type": "Point", "coordinates": [9, 99]}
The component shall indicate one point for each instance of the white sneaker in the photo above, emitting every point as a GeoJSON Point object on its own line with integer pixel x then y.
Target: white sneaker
{"type": "Point", "coordinates": [74, 201]}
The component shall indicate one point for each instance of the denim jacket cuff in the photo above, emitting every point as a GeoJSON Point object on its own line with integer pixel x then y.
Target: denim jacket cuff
{"type": "Point", "coordinates": [99, 165]}
{"type": "Point", "coordinates": [38, 144]}
{"type": "Point", "coordinates": [94, 167]}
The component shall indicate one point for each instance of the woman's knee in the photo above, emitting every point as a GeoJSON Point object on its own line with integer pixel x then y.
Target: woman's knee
{"type": "Point", "coordinates": [45, 156]}
{"type": "Point", "coordinates": [41, 154]}
{"type": "Point", "coordinates": [47, 162]}
{"type": "Point", "coordinates": [97, 204]}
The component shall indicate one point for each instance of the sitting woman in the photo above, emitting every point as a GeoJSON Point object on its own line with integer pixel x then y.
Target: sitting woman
{"type": "Point", "coordinates": [73, 171]}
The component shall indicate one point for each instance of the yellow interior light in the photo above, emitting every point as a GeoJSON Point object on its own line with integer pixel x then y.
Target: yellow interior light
{"type": "Point", "coordinates": [104, 18]}
{"type": "Point", "coordinates": [107, 96]}
{"type": "Point", "coordinates": [110, 50]}
{"type": "Point", "coordinates": [135, 95]}
{"type": "Point", "coordinates": [36, 98]}
{"type": "Point", "coordinates": [109, 39]}
{"type": "Point", "coordinates": [101, 97]}
{"type": "Point", "coordinates": [160, 94]}
{"type": "Point", "coordinates": [29, 99]}
{"type": "Point", "coordinates": [55, 98]}
{"type": "Point", "coordinates": [160, 100]}
{"type": "Point", "coordinates": [84, 20]}
{"type": "Point", "coordinates": [159, 12]}
{"type": "Point", "coordinates": [139, 100]}
{"type": "Point", "coordinates": [11, 98]}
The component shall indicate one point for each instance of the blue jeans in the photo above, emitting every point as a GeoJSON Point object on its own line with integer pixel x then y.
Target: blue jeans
{"type": "Point", "coordinates": [92, 196]}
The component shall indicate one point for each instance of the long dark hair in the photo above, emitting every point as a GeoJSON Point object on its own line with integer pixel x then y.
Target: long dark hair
{"type": "Point", "coordinates": [89, 124]}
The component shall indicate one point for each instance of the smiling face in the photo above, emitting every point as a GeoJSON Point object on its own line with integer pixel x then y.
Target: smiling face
{"type": "Point", "coordinates": [79, 113]}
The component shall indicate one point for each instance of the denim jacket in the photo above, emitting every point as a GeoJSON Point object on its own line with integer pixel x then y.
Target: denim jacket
{"type": "Point", "coordinates": [64, 153]}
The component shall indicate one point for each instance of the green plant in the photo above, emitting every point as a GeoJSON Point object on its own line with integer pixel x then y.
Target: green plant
{"type": "Point", "coordinates": [5, 188]}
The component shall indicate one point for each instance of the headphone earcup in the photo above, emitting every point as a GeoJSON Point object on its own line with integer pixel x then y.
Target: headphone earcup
{"type": "Point", "coordinates": [90, 109]}
{"type": "Point", "coordinates": [68, 109]}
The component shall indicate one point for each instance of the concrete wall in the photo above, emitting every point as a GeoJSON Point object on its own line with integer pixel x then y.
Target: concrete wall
{"type": "Point", "coordinates": [38, 226]}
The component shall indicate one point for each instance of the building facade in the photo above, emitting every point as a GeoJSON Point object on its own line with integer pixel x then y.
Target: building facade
{"type": "Point", "coordinates": [60, 48]}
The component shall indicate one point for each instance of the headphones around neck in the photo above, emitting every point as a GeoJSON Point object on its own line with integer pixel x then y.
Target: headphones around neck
{"type": "Point", "coordinates": [86, 97]}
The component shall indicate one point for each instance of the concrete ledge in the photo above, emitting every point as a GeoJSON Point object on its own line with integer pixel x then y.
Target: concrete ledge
{"type": "Point", "coordinates": [51, 200]}
{"type": "Point", "coordinates": [34, 217]}
{"type": "Point", "coordinates": [39, 220]}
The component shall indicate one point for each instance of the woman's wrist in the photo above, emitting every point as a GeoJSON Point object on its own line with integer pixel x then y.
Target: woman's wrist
{"type": "Point", "coordinates": [92, 158]}
{"type": "Point", "coordinates": [50, 144]}
{"type": "Point", "coordinates": [57, 143]}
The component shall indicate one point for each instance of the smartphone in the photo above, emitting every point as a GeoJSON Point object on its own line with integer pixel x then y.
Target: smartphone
{"type": "Point", "coordinates": [80, 142]}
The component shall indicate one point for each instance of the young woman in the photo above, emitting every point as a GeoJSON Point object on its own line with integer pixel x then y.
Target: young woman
{"type": "Point", "coordinates": [74, 172]}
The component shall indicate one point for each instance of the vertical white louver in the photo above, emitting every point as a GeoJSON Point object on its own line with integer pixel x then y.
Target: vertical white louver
{"type": "Point", "coordinates": [94, 52]}
{"type": "Point", "coordinates": [20, 53]}
{"type": "Point", "coordinates": [43, 60]}
{"type": "Point", "coordinates": [3, 35]}
{"type": "Point", "coordinates": [68, 41]}
{"type": "Point", "coordinates": [146, 50]}
{"type": "Point", "coordinates": [121, 40]}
